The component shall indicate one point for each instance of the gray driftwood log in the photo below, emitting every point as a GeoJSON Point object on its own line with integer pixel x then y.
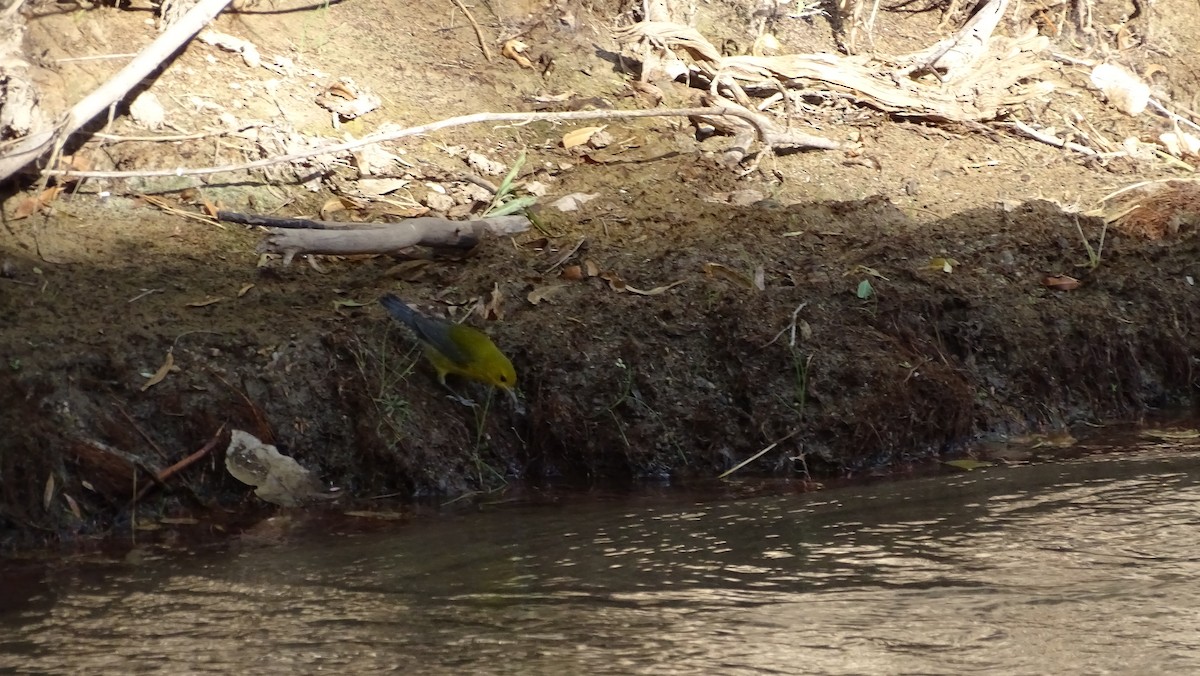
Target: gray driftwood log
{"type": "Point", "coordinates": [388, 237]}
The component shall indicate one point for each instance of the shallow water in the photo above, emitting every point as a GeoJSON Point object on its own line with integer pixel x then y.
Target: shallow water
{"type": "Point", "coordinates": [1083, 567]}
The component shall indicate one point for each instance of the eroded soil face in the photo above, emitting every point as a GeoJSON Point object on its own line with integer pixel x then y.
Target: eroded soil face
{"type": "Point", "coordinates": [861, 310]}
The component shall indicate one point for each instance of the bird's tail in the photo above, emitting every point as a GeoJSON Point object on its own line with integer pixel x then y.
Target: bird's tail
{"type": "Point", "coordinates": [399, 309]}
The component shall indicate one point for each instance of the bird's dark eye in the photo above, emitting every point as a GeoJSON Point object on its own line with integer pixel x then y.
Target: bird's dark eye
{"type": "Point", "coordinates": [504, 379]}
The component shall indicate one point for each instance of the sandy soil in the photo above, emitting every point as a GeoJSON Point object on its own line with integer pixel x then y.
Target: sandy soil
{"type": "Point", "coordinates": [771, 335]}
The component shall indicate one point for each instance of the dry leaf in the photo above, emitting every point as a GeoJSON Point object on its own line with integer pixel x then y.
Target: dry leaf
{"type": "Point", "coordinates": [203, 303]}
{"type": "Point", "coordinates": [244, 290]}
{"type": "Point", "coordinates": [614, 281]}
{"type": "Point", "coordinates": [943, 264]}
{"type": "Point", "coordinates": [573, 201]}
{"type": "Point", "coordinates": [348, 100]}
{"type": "Point", "coordinates": [409, 271]}
{"type": "Point", "coordinates": [513, 50]}
{"type": "Point", "coordinates": [617, 284]}
{"type": "Point", "coordinates": [1060, 283]}
{"type": "Point", "coordinates": [73, 506]}
{"type": "Point", "coordinates": [31, 205]}
{"type": "Point", "coordinates": [148, 111]}
{"type": "Point", "coordinates": [725, 272]}
{"type": "Point", "coordinates": [656, 290]}
{"type": "Point", "coordinates": [542, 293]}
{"type": "Point", "coordinates": [593, 270]}
{"type": "Point", "coordinates": [493, 309]}
{"type": "Point", "coordinates": [571, 273]}
{"type": "Point", "coordinates": [161, 373]}
{"type": "Point", "coordinates": [1172, 435]}
{"type": "Point", "coordinates": [330, 207]}
{"type": "Point", "coordinates": [579, 136]}
{"type": "Point", "coordinates": [48, 492]}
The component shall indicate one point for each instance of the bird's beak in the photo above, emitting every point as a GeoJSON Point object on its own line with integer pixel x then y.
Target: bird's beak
{"type": "Point", "coordinates": [518, 405]}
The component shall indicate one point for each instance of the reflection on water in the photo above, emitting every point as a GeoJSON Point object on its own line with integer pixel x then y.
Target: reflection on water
{"type": "Point", "coordinates": [1084, 568]}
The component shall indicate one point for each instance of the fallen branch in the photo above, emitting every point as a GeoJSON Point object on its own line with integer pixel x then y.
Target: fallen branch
{"type": "Point", "coordinates": [755, 120]}
{"type": "Point", "coordinates": [992, 83]}
{"type": "Point", "coordinates": [161, 478]}
{"type": "Point", "coordinates": [487, 53]}
{"type": "Point", "coordinates": [15, 156]}
{"type": "Point", "coordinates": [1053, 140]}
{"type": "Point", "coordinates": [388, 237]}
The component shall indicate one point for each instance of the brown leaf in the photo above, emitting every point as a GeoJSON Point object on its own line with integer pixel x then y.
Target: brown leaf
{"type": "Point", "coordinates": [161, 373]}
{"type": "Point", "coordinates": [512, 50]}
{"type": "Point", "coordinates": [1061, 283]}
{"type": "Point", "coordinates": [494, 308]}
{"type": "Point", "coordinates": [204, 303]}
{"type": "Point", "coordinates": [946, 265]}
{"type": "Point", "coordinates": [656, 290]}
{"type": "Point", "coordinates": [211, 209]}
{"type": "Point", "coordinates": [572, 273]}
{"type": "Point", "coordinates": [542, 293]}
{"type": "Point", "coordinates": [617, 284]}
{"type": "Point", "coordinates": [330, 207]}
{"type": "Point", "coordinates": [409, 271]}
{"type": "Point", "coordinates": [244, 290]}
{"type": "Point", "coordinates": [48, 492]}
{"type": "Point", "coordinates": [31, 205]}
{"type": "Point", "coordinates": [593, 270]}
{"type": "Point", "coordinates": [579, 136]}
{"type": "Point", "coordinates": [614, 281]}
{"type": "Point", "coordinates": [73, 506]}
{"type": "Point", "coordinates": [725, 272]}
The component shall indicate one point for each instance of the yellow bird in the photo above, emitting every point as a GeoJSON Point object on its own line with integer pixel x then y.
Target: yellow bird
{"type": "Point", "coordinates": [454, 348]}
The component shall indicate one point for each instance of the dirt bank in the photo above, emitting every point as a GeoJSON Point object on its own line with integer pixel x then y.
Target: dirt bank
{"type": "Point", "coordinates": [855, 335]}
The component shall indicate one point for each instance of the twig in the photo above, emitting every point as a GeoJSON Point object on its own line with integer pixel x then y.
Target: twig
{"type": "Point", "coordinates": [1052, 140]}
{"type": "Point", "coordinates": [563, 259]}
{"type": "Point", "coordinates": [1178, 119]}
{"type": "Point", "coordinates": [487, 54]}
{"type": "Point", "coordinates": [29, 148]}
{"type": "Point", "coordinates": [162, 204]}
{"type": "Point", "coordinates": [756, 456]}
{"type": "Point", "coordinates": [94, 57]}
{"type": "Point", "coordinates": [260, 418]}
{"type": "Point", "coordinates": [791, 327]}
{"type": "Point", "coordinates": [167, 473]}
{"type": "Point", "coordinates": [143, 294]}
{"type": "Point", "coordinates": [140, 431]}
{"type": "Point", "coordinates": [524, 118]}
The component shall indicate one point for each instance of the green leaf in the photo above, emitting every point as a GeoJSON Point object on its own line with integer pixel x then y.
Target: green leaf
{"type": "Point", "coordinates": [864, 289]}
{"type": "Point", "coordinates": [506, 184]}
{"type": "Point", "coordinates": [513, 206]}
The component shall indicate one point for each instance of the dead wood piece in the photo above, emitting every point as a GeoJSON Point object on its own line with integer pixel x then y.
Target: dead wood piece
{"type": "Point", "coordinates": [475, 118]}
{"type": "Point", "coordinates": [20, 113]}
{"type": "Point", "coordinates": [15, 156]}
{"type": "Point", "coordinates": [955, 57]}
{"type": "Point", "coordinates": [292, 223]}
{"type": "Point", "coordinates": [161, 477]}
{"type": "Point", "coordinates": [390, 237]}
{"type": "Point", "coordinates": [995, 79]}
{"type": "Point", "coordinates": [108, 471]}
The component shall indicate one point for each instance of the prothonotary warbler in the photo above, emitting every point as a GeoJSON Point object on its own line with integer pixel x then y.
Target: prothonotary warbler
{"type": "Point", "coordinates": [454, 348]}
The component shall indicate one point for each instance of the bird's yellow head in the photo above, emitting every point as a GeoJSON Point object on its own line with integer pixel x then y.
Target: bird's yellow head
{"type": "Point", "coordinates": [500, 372]}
